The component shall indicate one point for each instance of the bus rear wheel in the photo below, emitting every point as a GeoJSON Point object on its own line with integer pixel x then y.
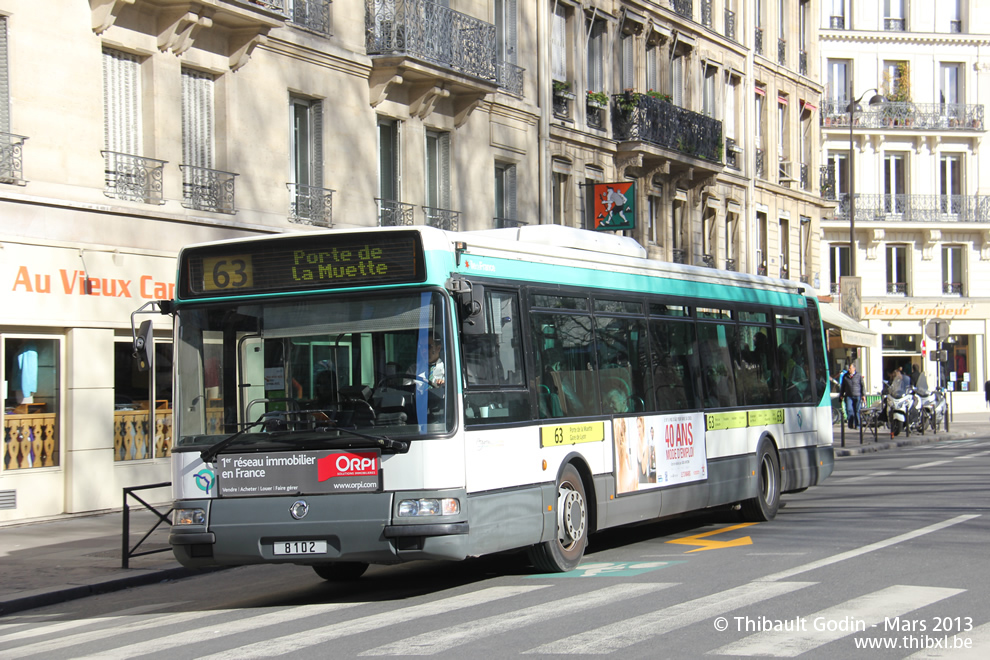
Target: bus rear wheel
{"type": "Point", "coordinates": [764, 506]}
{"type": "Point", "coordinates": [564, 553]}
{"type": "Point", "coordinates": [341, 571]}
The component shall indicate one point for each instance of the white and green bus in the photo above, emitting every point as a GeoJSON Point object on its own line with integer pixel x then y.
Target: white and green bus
{"type": "Point", "coordinates": [356, 397]}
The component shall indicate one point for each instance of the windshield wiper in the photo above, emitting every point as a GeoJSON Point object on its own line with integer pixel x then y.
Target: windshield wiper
{"type": "Point", "coordinates": [209, 454]}
{"type": "Point", "coordinates": [383, 441]}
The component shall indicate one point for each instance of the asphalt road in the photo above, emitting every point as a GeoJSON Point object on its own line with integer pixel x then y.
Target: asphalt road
{"type": "Point", "coordinates": [885, 560]}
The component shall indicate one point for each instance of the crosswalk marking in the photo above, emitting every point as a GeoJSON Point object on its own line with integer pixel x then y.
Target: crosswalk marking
{"type": "Point", "coordinates": [859, 614]}
{"type": "Point", "coordinates": [865, 477]}
{"type": "Point", "coordinates": [62, 626]}
{"type": "Point", "coordinates": [443, 640]}
{"type": "Point", "coordinates": [267, 618]}
{"type": "Point", "coordinates": [976, 649]}
{"type": "Point", "coordinates": [295, 642]}
{"type": "Point", "coordinates": [879, 545]}
{"type": "Point", "coordinates": [613, 637]}
{"type": "Point", "coordinates": [925, 465]}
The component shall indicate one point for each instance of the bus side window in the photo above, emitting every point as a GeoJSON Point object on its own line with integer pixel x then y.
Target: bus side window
{"type": "Point", "coordinates": [715, 340]}
{"type": "Point", "coordinates": [565, 361]}
{"type": "Point", "coordinates": [675, 365]}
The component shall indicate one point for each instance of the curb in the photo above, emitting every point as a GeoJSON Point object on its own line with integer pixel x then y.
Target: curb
{"type": "Point", "coordinates": [870, 446]}
{"type": "Point", "coordinates": [42, 598]}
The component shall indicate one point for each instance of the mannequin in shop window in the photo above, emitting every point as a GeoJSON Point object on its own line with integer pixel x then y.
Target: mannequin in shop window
{"type": "Point", "coordinates": [27, 373]}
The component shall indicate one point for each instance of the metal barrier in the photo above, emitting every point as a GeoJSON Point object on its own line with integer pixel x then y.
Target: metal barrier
{"type": "Point", "coordinates": [126, 551]}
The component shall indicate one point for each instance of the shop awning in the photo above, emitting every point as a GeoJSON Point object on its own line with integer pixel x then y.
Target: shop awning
{"type": "Point", "coordinates": [851, 331]}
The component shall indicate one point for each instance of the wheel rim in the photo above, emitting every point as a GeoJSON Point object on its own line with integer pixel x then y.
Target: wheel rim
{"type": "Point", "coordinates": [768, 478]}
{"type": "Point", "coordinates": [571, 516]}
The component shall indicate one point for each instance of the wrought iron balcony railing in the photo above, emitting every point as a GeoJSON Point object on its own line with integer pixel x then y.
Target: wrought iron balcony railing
{"type": "Point", "coordinates": [826, 180]}
{"type": "Point", "coordinates": [915, 208]}
{"type": "Point", "coordinates": [761, 163]}
{"type": "Point", "coordinates": [952, 288]}
{"type": "Point", "coordinates": [837, 22]}
{"type": "Point", "coordinates": [510, 78]}
{"type": "Point", "coordinates": [894, 24]}
{"type": "Point", "coordinates": [133, 178]}
{"type": "Point", "coordinates": [706, 13]}
{"type": "Point", "coordinates": [730, 24]}
{"type": "Point", "coordinates": [708, 260]}
{"type": "Point", "coordinates": [277, 6]}
{"type": "Point", "coordinates": [758, 41]}
{"type": "Point", "coordinates": [731, 264]}
{"type": "Point", "coordinates": [204, 189]}
{"type": "Point", "coordinates": [666, 125]}
{"type": "Point", "coordinates": [595, 117]}
{"type": "Point", "coordinates": [834, 288]}
{"type": "Point", "coordinates": [781, 51]}
{"type": "Point", "coordinates": [803, 62]}
{"type": "Point", "coordinates": [678, 255]}
{"type": "Point", "coordinates": [732, 152]}
{"type": "Point", "coordinates": [442, 218]}
{"type": "Point", "coordinates": [906, 115]}
{"type": "Point", "coordinates": [12, 158]}
{"type": "Point", "coordinates": [508, 223]}
{"type": "Point", "coordinates": [311, 14]}
{"type": "Point", "coordinates": [426, 30]}
{"type": "Point", "coordinates": [897, 288]}
{"type": "Point", "coordinates": [955, 27]}
{"type": "Point", "coordinates": [394, 214]}
{"type": "Point", "coordinates": [310, 205]}
{"type": "Point", "coordinates": [684, 7]}
{"type": "Point", "coordinates": [805, 176]}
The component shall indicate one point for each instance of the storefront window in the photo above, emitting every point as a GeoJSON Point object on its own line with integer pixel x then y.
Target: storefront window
{"type": "Point", "coordinates": [142, 424]}
{"type": "Point", "coordinates": [31, 402]}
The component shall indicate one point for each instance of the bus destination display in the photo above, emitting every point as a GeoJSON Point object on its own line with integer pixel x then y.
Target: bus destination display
{"type": "Point", "coordinates": [303, 263]}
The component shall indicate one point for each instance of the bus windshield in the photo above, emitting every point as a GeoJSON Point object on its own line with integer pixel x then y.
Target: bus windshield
{"type": "Point", "coordinates": [304, 372]}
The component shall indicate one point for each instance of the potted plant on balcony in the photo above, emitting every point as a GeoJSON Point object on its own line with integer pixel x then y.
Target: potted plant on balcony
{"type": "Point", "coordinates": [562, 90]}
{"type": "Point", "coordinates": [654, 94]}
{"type": "Point", "coordinates": [628, 102]}
{"type": "Point", "coordinates": [597, 99]}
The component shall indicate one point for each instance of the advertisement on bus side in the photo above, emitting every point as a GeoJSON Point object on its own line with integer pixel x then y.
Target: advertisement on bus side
{"type": "Point", "coordinates": [654, 451]}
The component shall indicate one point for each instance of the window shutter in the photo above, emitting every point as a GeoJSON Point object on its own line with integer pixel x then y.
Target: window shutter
{"type": "Point", "coordinates": [628, 62]}
{"type": "Point", "coordinates": [317, 137]}
{"type": "Point", "coordinates": [122, 102]}
{"type": "Point", "coordinates": [651, 69]}
{"type": "Point", "coordinates": [510, 192]}
{"type": "Point", "coordinates": [511, 38]}
{"type": "Point", "coordinates": [677, 81]}
{"type": "Point", "coordinates": [197, 119]}
{"type": "Point", "coordinates": [4, 79]}
{"type": "Point", "coordinates": [558, 42]}
{"type": "Point", "coordinates": [444, 167]}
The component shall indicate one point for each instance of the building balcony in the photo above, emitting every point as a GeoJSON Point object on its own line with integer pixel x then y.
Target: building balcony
{"type": "Point", "coordinates": [392, 213]}
{"type": "Point", "coordinates": [510, 78]}
{"type": "Point", "coordinates": [684, 7]}
{"type": "Point", "coordinates": [731, 264]}
{"type": "Point", "coordinates": [914, 208]}
{"type": "Point", "coordinates": [310, 205]}
{"type": "Point", "coordinates": [732, 151]}
{"type": "Point", "coordinates": [708, 260]}
{"type": "Point", "coordinates": [432, 52]}
{"type": "Point", "coordinates": [656, 129]}
{"type": "Point", "coordinates": [803, 62]}
{"type": "Point", "coordinates": [826, 181]}
{"type": "Point", "coordinates": [678, 255]}
{"type": "Point", "coordinates": [894, 25]}
{"type": "Point", "coordinates": [12, 159]}
{"type": "Point", "coordinates": [952, 288]}
{"type": "Point", "coordinates": [837, 22]}
{"type": "Point", "coordinates": [758, 41]}
{"type": "Point", "coordinates": [204, 189]}
{"type": "Point", "coordinates": [781, 51]}
{"type": "Point", "coordinates": [313, 15]}
{"type": "Point", "coordinates": [897, 288]}
{"type": "Point", "coordinates": [761, 163]}
{"type": "Point", "coordinates": [133, 178]}
{"type": "Point", "coordinates": [905, 115]}
{"type": "Point", "coordinates": [234, 27]}
{"type": "Point", "coordinates": [442, 218]}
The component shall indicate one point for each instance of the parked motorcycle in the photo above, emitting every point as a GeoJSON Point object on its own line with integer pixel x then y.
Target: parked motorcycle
{"type": "Point", "coordinates": [903, 412]}
{"type": "Point", "coordinates": [934, 410]}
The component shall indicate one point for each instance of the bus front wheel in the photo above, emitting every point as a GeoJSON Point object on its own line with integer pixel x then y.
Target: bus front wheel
{"type": "Point", "coordinates": [764, 506]}
{"type": "Point", "coordinates": [564, 553]}
{"type": "Point", "coordinates": [341, 571]}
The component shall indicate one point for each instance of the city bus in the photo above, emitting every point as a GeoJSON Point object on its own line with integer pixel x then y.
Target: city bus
{"type": "Point", "coordinates": [374, 396]}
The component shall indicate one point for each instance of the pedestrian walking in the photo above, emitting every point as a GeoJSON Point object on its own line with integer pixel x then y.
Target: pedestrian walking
{"type": "Point", "coordinates": [853, 392]}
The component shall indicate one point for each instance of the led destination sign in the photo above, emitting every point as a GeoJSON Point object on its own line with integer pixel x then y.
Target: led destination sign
{"type": "Point", "coordinates": [311, 262]}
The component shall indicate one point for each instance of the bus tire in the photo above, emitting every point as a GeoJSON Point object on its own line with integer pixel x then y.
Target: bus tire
{"type": "Point", "coordinates": [564, 552]}
{"type": "Point", "coordinates": [764, 506]}
{"type": "Point", "coordinates": [341, 571]}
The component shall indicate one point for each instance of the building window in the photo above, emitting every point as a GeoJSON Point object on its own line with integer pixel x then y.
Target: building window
{"type": "Point", "coordinates": [731, 239]}
{"type": "Point", "coordinates": [310, 201]}
{"type": "Point", "coordinates": [837, 19]}
{"type": "Point", "coordinates": [708, 91]}
{"type": "Point", "coordinates": [897, 81]}
{"type": "Point", "coordinates": [784, 238]}
{"type": "Point", "coordinates": [838, 266]}
{"type": "Point", "coordinates": [654, 228]}
{"type": "Point", "coordinates": [787, 173]}
{"type": "Point", "coordinates": [679, 242]}
{"type": "Point", "coordinates": [897, 270]}
{"type": "Point", "coordinates": [505, 195]}
{"type": "Point", "coordinates": [955, 16]}
{"type": "Point", "coordinates": [837, 92]}
{"type": "Point", "coordinates": [31, 402]}
{"type": "Point", "coordinates": [142, 421]}
{"type": "Point", "coordinates": [4, 80]}
{"type": "Point", "coordinates": [950, 184]}
{"type": "Point", "coordinates": [506, 42]}
{"type": "Point", "coordinates": [761, 139]}
{"type": "Point", "coordinates": [203, 186]}
{"type": "Point", "coordinates": [438, 179]}
{"type": "Point", "coordinates": [893, 16]}
{"type": "Point", "coordinates": [558, 44]}
{"type": "Point", "coordinates": [894, 183]}
{"type": "Point", "coordinates": [596, 55]}
{"type": "Point", "coordinates": [628, 57]}
{"type": "Point", "coordinates": [761, 243]}
{"type": "Point", "coordinates": [559, 193]}
{"type": "Point", "coordinates": [653, 68]}
{"type": "Point", "coordinates": [391, 211]}
{"type": "Point", "coordinates": [677, 80]}
{"type": "Point", "coordinates": [952, 270]}
{"type": "Point", "coordinates": [122, 129]}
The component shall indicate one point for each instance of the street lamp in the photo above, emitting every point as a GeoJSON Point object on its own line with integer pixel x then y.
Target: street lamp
{"type": "Point", "coordinates": [854, 106]}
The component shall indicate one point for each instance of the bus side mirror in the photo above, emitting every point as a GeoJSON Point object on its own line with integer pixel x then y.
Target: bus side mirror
{"type": "Point", "coordinates": [143, 346]}
{"type": "Point", "coordinates": [472, 310]}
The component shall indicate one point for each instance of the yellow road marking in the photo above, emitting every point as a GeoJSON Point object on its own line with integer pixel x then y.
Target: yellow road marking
{"type": "Point", "coordinates": [706, 544]}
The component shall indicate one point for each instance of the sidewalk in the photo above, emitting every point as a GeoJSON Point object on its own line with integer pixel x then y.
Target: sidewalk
{"type": "Point", "coordinates": [51, 561]}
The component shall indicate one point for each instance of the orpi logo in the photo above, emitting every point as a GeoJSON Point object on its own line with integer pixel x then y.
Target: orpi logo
{"type": "Point", "coordinates": [204, 480]}
{"type": "Point", "coordinates": [347, 464]}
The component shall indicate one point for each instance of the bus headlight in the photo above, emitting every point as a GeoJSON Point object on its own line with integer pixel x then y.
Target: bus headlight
{"type": "Point", "coordinates": [446, 506]}
{"type": "Point", "coordinates": [189, 517]}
